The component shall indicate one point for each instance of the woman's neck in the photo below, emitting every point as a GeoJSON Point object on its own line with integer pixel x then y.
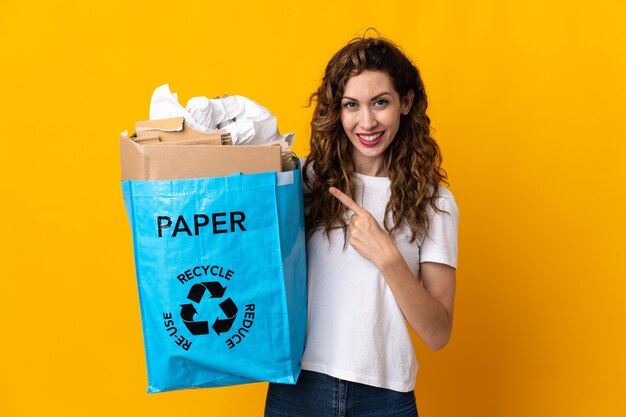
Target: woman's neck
{"type": "Point", "coordinates": [370, 167]}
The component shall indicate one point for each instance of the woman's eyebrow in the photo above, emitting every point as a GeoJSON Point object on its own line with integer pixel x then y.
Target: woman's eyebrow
{"type": "Point", "coordinates": [376, 97]}
{"type": "Point", "coordinates": [384, 93]}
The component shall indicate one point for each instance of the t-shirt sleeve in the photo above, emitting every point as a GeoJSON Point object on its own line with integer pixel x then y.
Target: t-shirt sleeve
{"type": "Point", "coordinates": [441, 243]}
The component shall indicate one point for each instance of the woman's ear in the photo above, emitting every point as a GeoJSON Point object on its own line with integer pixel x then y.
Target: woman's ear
{"type": "Point", "coordinates": [407, 102]}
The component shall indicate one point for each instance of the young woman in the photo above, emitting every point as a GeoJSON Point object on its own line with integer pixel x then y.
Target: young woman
{"type": "Point", "coordinates": [381, 239]}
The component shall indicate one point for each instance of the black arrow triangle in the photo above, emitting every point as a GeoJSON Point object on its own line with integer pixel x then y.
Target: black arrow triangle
{"type": "Point", "coordinates": [197, 327]}
{"type": "Point", "coordinates": [223, 325]}
{"type": "Point", "coordinates": [229, 308]}
{"type": "Point", "coordinates": [187, 312]}
{"type": "Point", "coordinates": [215, 288]}
{"type": "Point", "coordinates": [196, 292]}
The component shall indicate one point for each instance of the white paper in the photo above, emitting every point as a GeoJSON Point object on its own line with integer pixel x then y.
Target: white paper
{"type": "Point", "coordinates": [248, 122]}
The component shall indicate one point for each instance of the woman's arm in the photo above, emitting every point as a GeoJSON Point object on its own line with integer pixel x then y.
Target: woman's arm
{"type": "Point", "coordinates": [427, 305]}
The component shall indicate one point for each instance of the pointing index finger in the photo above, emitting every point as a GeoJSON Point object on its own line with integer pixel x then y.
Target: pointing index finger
{"type": "Point", "coordinates": [345, 200]}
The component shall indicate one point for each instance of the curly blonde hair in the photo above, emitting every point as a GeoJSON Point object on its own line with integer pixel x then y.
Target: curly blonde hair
{"type": "Point", "coordinates": [412, 161]}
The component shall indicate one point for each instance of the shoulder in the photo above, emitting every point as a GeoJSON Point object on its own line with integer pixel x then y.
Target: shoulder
{"type": "Point", "coordinates": [309, 169]}
{"type": "Point", "coordinates": [446, 202]}
{"type": "Point", "coordinates": [445, 193]}
{"type": "Point", "coordinates": [307, 176]}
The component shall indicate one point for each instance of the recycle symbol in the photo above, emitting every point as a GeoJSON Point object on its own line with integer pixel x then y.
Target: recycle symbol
{"type": "Point", "coordinates": [188, 311]}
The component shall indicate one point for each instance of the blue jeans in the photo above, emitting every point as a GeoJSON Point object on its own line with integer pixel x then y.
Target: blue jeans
{"type": "Point", "coordinates": [320, 395]}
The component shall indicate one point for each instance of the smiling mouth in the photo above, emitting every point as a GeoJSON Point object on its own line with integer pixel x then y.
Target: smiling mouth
{"type": "Point", "coordinates": [370, 139]}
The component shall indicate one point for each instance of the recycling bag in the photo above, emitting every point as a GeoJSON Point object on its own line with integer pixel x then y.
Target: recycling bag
{"type": "Point", "coordinates": [221, 273]}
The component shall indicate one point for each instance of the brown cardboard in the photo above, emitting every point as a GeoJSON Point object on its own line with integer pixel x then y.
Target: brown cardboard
{"type": "Point", "coordinates": [162, 161]}
{"type": "Point", "coordinates": [175, 130]}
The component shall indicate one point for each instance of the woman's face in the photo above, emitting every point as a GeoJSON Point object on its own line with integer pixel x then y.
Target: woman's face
{"type": "Point", "coordinates": [370, 115]}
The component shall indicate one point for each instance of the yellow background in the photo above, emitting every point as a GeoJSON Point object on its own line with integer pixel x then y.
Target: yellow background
{"type": "Point", "coordinates": [528, 101]}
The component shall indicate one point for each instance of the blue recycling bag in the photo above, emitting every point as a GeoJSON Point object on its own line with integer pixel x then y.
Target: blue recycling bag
{"type": "Point", "coordinates": [221, 273]}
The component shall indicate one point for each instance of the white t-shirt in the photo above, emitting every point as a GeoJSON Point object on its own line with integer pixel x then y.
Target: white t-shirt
{"type": "Point", "coordinates": [356, 330]}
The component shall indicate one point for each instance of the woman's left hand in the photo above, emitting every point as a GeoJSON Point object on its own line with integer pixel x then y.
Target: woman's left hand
{"type": "Point", "coordinates": [366, 235]}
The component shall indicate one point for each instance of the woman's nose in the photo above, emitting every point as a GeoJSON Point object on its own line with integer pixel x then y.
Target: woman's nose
{"type": "Point", "coordinates": [368, 119]}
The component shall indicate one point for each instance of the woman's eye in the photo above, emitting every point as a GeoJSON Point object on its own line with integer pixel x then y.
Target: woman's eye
{"type": "Point", "coordinates": [381, 102]}
{"type": "Point", "coordinates": [349, 105]}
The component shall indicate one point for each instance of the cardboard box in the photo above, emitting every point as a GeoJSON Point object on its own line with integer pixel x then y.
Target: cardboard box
{"type": "Point", "coordinates": [175, 130]}
{"type": "Point", "coordinates": [171, 150]}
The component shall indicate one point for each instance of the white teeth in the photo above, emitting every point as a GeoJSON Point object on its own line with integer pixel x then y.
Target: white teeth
{"type": "Point", "coordinates": [369, 138]}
